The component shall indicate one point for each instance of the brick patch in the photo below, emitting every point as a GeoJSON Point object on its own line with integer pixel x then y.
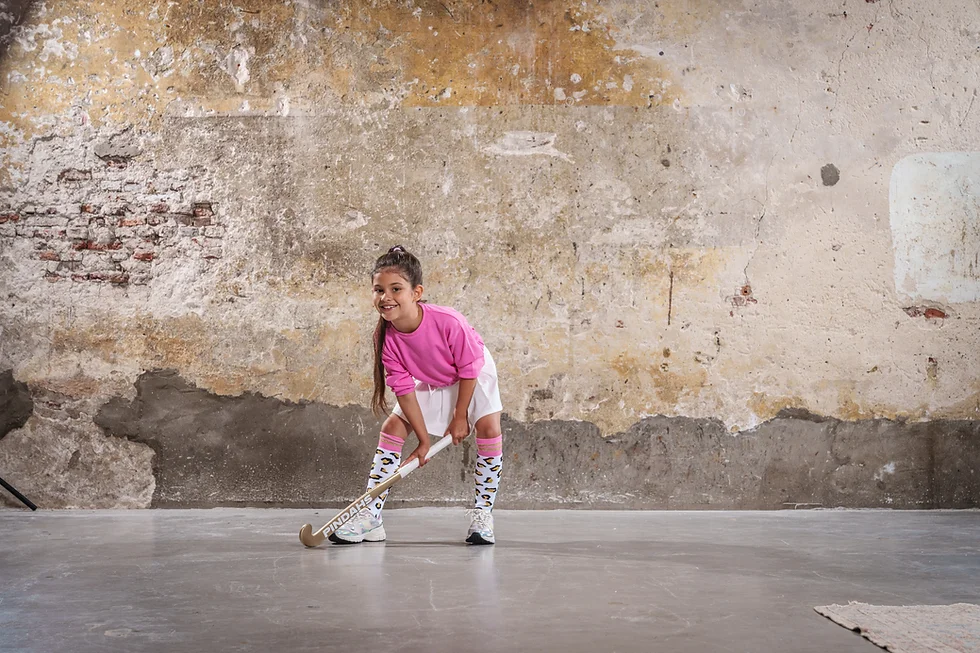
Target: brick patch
{"type": "Point", "coordinates": [109, 222]}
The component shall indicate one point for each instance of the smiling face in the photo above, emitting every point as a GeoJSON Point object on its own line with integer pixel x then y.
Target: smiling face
{"type": "Point", "coordinates": [395, 299]}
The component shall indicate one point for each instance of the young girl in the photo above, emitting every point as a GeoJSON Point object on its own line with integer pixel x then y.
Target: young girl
{"type": "Point", "coordinates": [445, 383]}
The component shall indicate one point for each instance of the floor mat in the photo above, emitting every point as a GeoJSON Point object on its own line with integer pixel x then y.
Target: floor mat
{"type": "Point", "coordinates": [912, 628]}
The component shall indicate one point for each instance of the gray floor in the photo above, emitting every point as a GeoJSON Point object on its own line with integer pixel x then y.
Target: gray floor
{"type": "Point", "coordinates": [239, 580]}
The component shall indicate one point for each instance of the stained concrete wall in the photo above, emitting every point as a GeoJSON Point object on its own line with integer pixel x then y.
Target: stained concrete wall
{"type": "Point", "coordinates": [687, 230]}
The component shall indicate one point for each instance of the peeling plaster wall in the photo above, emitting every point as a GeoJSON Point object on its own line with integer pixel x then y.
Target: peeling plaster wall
{"type": "Point", "coordinates": [696, 210]}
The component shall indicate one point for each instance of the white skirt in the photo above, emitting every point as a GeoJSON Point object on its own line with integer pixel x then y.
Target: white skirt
{"type": "Point", "coordinates": [438, 404]}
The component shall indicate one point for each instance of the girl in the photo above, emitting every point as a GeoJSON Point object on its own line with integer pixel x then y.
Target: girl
{"type": "Point", "coordinates": [445, 383]}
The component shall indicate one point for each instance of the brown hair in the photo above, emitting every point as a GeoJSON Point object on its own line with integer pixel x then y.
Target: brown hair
{"type": "Point", "coordinates": [399, 260]}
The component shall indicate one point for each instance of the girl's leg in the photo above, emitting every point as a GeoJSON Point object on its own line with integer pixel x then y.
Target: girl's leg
{"type": "Point", "coordinates": [489, 460]}
{"type": "Point", "coordinates": [387, 457]}
{"type": "Point", "coordinates": [367, 526]}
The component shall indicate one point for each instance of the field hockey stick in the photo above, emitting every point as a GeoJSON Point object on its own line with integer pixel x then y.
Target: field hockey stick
{"type": "Point", "coordinates": [311, 539]}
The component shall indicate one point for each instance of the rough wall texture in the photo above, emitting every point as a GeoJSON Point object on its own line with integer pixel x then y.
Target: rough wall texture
{"type": "Point", "coordinates": [16, 405]}
{"type": "Point", "coordinates": [704, 211]}
{"type": "Point", "coordinates": [216, 450]}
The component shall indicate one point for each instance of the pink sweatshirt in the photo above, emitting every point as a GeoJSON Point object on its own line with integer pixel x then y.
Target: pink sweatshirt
{"type": "Point", "coordinates": [443, 350]}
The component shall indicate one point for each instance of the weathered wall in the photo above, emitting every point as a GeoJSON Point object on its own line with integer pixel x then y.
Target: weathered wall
{"type": "Point", "coordinates": [758, 220]}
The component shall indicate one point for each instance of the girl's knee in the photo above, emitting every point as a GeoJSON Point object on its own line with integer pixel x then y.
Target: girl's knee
{"type": "Point", "coordinates": [488, 428]}
{"type": "Point", "coordinates": [396, 426]}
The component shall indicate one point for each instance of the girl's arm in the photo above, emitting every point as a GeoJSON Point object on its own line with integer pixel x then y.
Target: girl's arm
{"type": "Point", "coordinates": [413, 413]}
{"type": "Point", "coordinates": [459, 427]}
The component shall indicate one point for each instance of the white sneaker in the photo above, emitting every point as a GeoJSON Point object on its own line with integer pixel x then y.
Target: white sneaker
{"type": "Point", "coordinates": [481, 527]}
{"type": "Point", "coordinates": [363, 527]}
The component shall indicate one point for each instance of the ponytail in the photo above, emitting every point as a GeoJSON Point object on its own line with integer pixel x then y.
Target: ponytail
{"type": "Point", "coordinates": [378, 403]}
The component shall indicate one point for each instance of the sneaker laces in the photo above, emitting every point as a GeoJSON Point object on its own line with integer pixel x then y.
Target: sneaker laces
{"type": "Point", "coordinates": [359, 519]}
{"type": "Point", "coordinates": [365, 513]}
{"type": "Point", "coordinates": [481, 518]}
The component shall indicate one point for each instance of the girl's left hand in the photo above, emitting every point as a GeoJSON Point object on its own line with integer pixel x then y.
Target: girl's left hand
{"type": "Point", "coordinates": [459, 428]}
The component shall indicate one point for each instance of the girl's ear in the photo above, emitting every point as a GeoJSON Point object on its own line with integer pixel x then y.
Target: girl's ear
{"type": "Point", "coordinates": [417, 292]}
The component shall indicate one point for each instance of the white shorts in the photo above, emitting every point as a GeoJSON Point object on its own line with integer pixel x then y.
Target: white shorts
{"type": "Point", "coordinates": [438, 404]}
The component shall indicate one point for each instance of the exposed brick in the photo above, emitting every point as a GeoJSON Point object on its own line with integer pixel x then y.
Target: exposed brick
{"type": "Point", "coordinates": [50, 220]}
{"type": "Point", "coordinates": [74, 175]}
{"type": "Point", "coordinates": [161, 207]}
{"type": "Point", "coordinates": [52, 232]}
{"type": "Point", "coordinates": [89, 208]}
{"type": "Point", "coordinates": [79, 277]}
{"type": "Point", "coordinates": [203, 212]}
{"type": "Point", "coordinates": [8, 217]}
{"type": "Point", "coordinates": [144, 256]}
{"type": "Point", "coordinates": [52, 277]}
{"type": "Point", "coordinates": [927, 312]}
{"type": "Point", "coordinates": [49, 256]}
{"type": "Point", "coordinates": [132, 222]}
{"type": "Point", "coordinates": [117, 278]}
{"type": "Point", "coordinates": [193, 221]}
{"type": "Point", "coordinates": [98, 247]}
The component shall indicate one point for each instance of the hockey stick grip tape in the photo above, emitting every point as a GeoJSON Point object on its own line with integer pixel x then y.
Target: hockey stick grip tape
{"type": "Point", "coordinates": [441, 444]}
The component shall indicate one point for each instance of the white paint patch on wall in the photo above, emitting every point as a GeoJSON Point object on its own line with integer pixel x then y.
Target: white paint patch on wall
{"type": "Point", "coordinates": [886, 469]}
{"type": "Point", "coordinates": [525, 143]}
{"type": "Point", "coordinates": [236, 65]}
{"type": "Point", "coordinates": [934, 205]}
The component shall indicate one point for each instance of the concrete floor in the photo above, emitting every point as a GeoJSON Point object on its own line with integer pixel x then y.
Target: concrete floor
{"type": "Point", "coordinates": [239, 580]}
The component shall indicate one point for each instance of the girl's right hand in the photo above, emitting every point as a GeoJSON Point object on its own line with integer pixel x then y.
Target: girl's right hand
{"type": "Point", "coordinates": [420, 453]}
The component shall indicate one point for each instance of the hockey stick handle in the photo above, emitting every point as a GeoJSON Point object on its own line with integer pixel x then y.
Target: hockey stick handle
{"type": "Point", "coordinates": [441, 444]}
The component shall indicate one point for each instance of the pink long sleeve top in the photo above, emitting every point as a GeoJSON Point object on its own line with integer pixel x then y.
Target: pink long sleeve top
{"type": "Point", "coordinates": [441, 351]}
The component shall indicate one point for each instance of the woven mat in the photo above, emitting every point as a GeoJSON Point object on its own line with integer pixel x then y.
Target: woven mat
{"type": "Point", "coordinates": [912, 628]}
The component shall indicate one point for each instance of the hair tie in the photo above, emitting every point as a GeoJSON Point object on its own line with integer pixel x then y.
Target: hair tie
{"type": "Point", "coordinates": [396, 248]}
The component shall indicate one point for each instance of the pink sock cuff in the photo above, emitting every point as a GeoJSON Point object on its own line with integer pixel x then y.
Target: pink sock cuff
{"type": "Point", "coordinates": [388, 442]}
{"type": "Point", "coordinates": [490, 446]}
